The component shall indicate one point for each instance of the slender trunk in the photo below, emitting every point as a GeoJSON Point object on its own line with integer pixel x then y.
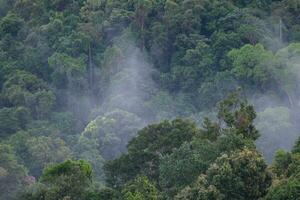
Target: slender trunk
{"type": "Point", "coordinates": [280, 30]}
{"type": "Point", "coordinates": [91, 70]}
{"type": "Point", "coordinates": [289, 97]}
{"type": "Point", "coordinates": [141, 23]}
{"type": "Point", "coordinates": [143, 40]}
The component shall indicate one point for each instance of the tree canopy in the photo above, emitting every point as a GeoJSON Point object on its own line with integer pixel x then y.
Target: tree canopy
{"type": "Point", "coordinates": [149, 99]}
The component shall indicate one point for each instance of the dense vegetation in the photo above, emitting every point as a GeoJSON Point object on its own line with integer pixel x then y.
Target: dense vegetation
{"type": "Point", "coordinates": [149, 99]}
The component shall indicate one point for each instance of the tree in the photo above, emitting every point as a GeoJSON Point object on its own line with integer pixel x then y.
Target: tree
{"type": "Point", "coordinates": [239, 115]}
{"type": "Point", "coordinates": [144, 151]}
{"type": "Point", "coordinates": [281, 162]}
{"type": "Point", "coordinates": [180, 168]}
{"type": "Point", "coordinates": [286, 168]}
{"type": "Point", "coordinates": [20, 85]}
{"type": "Point", "coordinates": [106, 138]}
{"type": "Point", "coordinates": [44, 151]}
{"type": "Point", "coordinates": [22, 88]}
{"type": "Point", "coordinates": [65, 122]}
{"type": "Point", "coordinates": [12, 174]}
{"type": "Point", "coordinates": [111, 132]}
{"type": "Point", "coordinates": [241, 175]}
{"type": "Point", "coordinates": [164, 105]}
{"type": "Point", "coordinates": [30, 10]}
{"type": "Point", "coordinates": [296, 148]}
{"type": "Point", "coordinates": [13, 120]}
{"type": "Point", "coordinates": [200, 190]}
{"type": "Point", "coordinates": [184, 165]}
{"type": "Point", "coordinates": [222, 43]}
{"type": "Point", "coordinates": [216, 88]}
{"type": "Point", "coordinates": [67, 180]}
{"type": "Point", "coordinates": [10, 24]}
{"type": "Point", "coordinates": [37, 152]}
{"type": "Point", "coordinates": [67, 65]}
{"type": "Point", "coordinates": [104, 193]}
{"type": "Point", "coordinates": [5, 6]}
{"type": "Point", "coordinates": [251, 65]}
{"type": "Point", "coordinates": [162, 138]}
{"type": "Point", "coordinates": [287, 189]}
{"type": "Point", "coordinates": [142, 8]}
{"type": "Point", "coordinates": [191, 66]}
{"type": "Point", "coordinates": [68, 72]}
{"type": "Point", "coordinates": [41, 103]}
{"type": "Point", "coordinates": [88, 150]}
{"type": "Point", "coordinates": [140, 188]}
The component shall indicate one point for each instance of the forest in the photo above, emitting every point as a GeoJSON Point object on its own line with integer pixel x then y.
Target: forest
{"type": "Point", "coordinates": [149, 99]}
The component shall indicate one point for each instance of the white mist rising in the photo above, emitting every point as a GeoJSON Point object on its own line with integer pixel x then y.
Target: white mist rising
{"type": "Point", "coordinates": [278, 118]}
{"type": "Point", "coordinates": [130, 79]}
{"type": "Point", "coordinates": [127, 76]}
{"type": "Point", "coordinates": [278, 110]}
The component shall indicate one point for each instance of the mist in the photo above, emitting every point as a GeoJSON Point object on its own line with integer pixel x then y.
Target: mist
{"type": "Point", "coordinates": [131, 88]}
{"type": "Point", "coordinates": [278, 113]}
{"type": "Point", "coordinates": [90, 90]}
{"type": "Point", "coordinates": [130, 82]}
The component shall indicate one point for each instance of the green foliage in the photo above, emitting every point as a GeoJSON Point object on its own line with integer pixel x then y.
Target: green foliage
{"type": "Point", "coordinates": [23, 81]}
{"type": "Point", "coordinates": [25, 89]}
{"type": "Point", "coordinates": [13, 120]}
{"type": "Point", "coordinates": [286, 164]}
{"type": "Point", "coordinates": [199, 190]}
{"type": "Point", "coordinates": [164, 105]}
{"type": "Point", "coordinates": [106, 137]}
{"type": "Point", "coordinates": [286, 189]}
{"type": "Point", "coordinates": [184, 165]}
{"type": "Point", "coordinates": [37, 152]}
{"type": "Point", "coordinates": [88, 150]}
{"type": "Point", "coordinates": [296, 148]}
{"type": "Point", "coordinates": [281, 162]}
{"type": "Point", "coordinates": [112, 132]}
{"type": "Point", "coordinates": [163, 137]}
{"type": "Point", "coordinates": [251, 64]}
{"type": "Point", "coordinates": [66, 66]}
{"type": "Point", "coordinates": [68, 72]}
{"type": "Point", "coordinates": [12, 174]}
{"type": "Point", "coordinates": [144, 151]}
{"type": "Point", "coordinates": [10, 24]}
{"type": "Point", "coordinates": [104, 193]}
{"type": "Point", "coordinates": [240, 175]}
{"type": "Point", "coordinates": [68, 168]}
{"type": "Point", "coordinates": [174, 166]}
{"type": "Point", "coordinates": [64, 121]}
{"type": "Point", "coordinates": [216, 88]}
{"type": "Point", "coordinates": [139, 189]}
{"type": "Point", "coordinates": [43, 151]}
{"type": "Point", "coordinates": [237, 114]}
{"type": "Point", "coordinates": [67, 180]}
{"type": "Point", "coordinates": [286, 167]}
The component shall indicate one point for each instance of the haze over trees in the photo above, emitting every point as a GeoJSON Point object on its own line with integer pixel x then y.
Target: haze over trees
{"type": "Point", "coordinates": [149, 99]}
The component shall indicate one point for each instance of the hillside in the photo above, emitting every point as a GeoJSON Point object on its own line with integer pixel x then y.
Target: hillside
{"type": "Point", "coordinates": [149, 99]}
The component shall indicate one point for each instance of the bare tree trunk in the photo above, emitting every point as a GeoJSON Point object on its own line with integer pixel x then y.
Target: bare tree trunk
{"type": "Point", "coordinates": [289, 97]}
{"type": "Point", "coordinates": [291, 101]}
{"type": "Point", "coordinates": [280, 30]}
{"type": "Point", "coordinates": [143, 39]}
{"type": "Point", "coordinates": [91, 69]}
